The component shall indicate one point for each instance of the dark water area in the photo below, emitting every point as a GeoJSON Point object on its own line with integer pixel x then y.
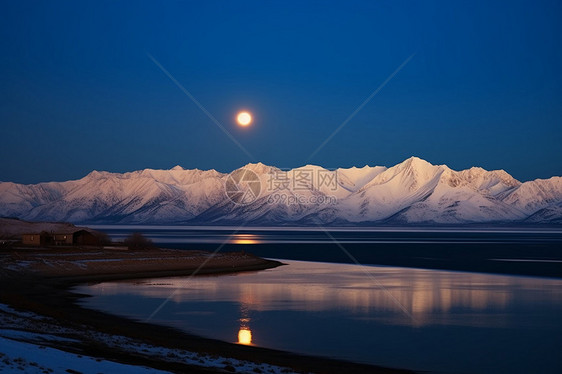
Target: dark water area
{"type": "Point", "coordinates": [536, 252]}
{"type": "Point", "coordinates": [429, 320]}
{"type": "Point", "coordinates": [381, 296]}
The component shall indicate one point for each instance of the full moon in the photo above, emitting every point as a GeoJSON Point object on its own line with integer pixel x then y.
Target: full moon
{"type": "Point", "coordinates": [244, 118]}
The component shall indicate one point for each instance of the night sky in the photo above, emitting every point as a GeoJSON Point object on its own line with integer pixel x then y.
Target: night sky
{"type": "Point", "coordinates": [79, 90]}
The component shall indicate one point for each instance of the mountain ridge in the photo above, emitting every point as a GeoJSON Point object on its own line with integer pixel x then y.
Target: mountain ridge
{"type": "Point", "coordinates": [411, 192]}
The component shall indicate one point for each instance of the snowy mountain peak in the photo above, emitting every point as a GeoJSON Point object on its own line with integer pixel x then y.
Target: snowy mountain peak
{"type": "Point", "coordinates": [413, 191]}
{"type": "Point", "coordinates": [415, 163]}
{"type": "Point", "coordinates": [491, 182]}
{"type": "Point", "coordinates": [98, 174]}
{"type": "Point", "coordinates": [259, 168]}
{"type": "Point", "coordinates": [408, 175]}
{"type": "Point", "coordinates": [310, 167]}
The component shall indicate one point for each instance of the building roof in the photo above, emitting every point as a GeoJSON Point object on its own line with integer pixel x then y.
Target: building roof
{"type": "Point", "coordinates": [68, 232]}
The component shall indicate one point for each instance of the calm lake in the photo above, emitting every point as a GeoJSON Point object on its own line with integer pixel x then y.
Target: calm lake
{"type": "Point", "coordinates": [440, 321]}
{"type": "Point", "coordinates": [528, 251]}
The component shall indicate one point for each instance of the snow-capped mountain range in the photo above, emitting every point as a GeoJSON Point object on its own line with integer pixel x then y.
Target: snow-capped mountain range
{"type": "Point", "coordinates": [412, 192]}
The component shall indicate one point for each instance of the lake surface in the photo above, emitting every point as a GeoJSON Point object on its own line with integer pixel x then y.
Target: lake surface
{"type": "Point", "coordinates": [527, 251]}
{"type": "Point", "coordinates": [441, 321]}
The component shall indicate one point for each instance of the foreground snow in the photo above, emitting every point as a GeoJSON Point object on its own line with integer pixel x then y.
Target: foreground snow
{"type": "Point", "coordinates": [19, 357]}
{"type": "Point", "coordinates": [29, 343]}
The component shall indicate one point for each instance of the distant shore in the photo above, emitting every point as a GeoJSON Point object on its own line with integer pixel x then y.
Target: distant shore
{"type": "Point", "coordinates": [40, 281]}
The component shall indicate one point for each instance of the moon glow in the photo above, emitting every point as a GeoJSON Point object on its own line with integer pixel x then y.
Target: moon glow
{"type": "Point", "coordinates": [244, 118]}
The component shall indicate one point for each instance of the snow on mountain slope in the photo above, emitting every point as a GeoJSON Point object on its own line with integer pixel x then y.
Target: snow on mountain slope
{"type": "Point", "coordinates": [143, 196]}
{"type": "Point", "coordinates": [413, 191]}
{"type": "Point", "coordinates": [458, 199]}
{"type": "Point", "coordinates": [355, 178]}
{"type": "Point", "coordinates": [535, 195]}
{"type": "Point", "coordinates": [392, 190]}
{"type": "Point", "coordinates": [493, 182]}
{"type": "Point", "coordinates": [408, 176]}
{"type": "Point", "coordinates": [550, 214]}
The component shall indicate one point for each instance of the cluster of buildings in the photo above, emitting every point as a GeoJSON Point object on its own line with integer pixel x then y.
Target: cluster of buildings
{"type": "Point", "coordinates": [71, 237]}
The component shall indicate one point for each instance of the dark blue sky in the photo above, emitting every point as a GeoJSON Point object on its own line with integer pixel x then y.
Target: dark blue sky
{"type": "Point", "coordinates": [78, 91]}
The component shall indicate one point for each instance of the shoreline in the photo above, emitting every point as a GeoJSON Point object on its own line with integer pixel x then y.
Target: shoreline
{"type": "Point", "coordinates": [48, 292]}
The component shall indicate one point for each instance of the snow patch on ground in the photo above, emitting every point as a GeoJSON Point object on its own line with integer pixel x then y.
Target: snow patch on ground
{"type": "Point", "coordinates": [20, 357]}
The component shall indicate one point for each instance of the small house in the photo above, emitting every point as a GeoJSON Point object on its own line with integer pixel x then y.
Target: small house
{"type": "Point", "coordinates": [84, 237]}
{"type": "Point", "coordinates": [36, 239]}
{"type": "Point", "coordinates": [75, 237]}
